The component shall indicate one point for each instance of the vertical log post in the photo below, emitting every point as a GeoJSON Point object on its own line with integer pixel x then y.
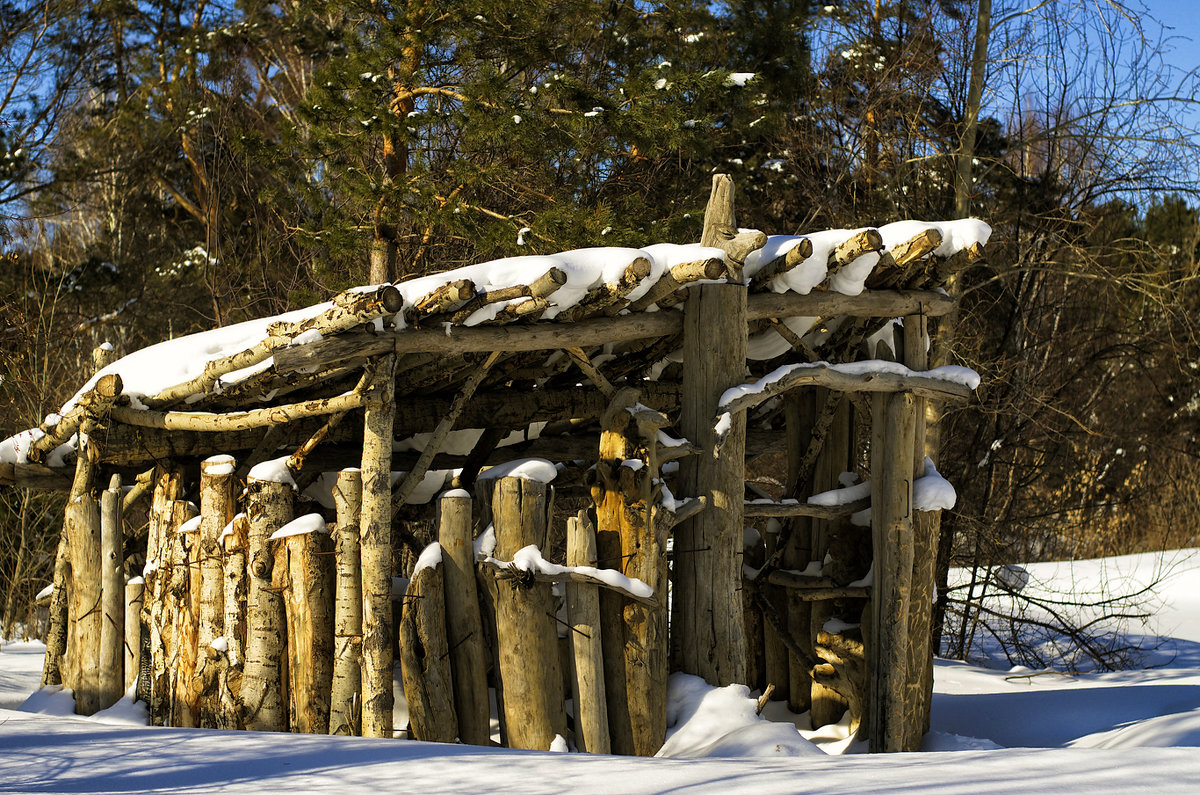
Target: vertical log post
{"type": "Point", "coordinates": [182, 609]}
{"type": "Point", "coordinates": [264, 702]}
{"type": "Point", "coordinates": [926, 525]}
{"type": "Point", "coordinates": [135, 589]}
{"type": "Point", "coordinates": [86, 611]}
{"type": "Point", "coordinates": [345, 707]}
{"type": "Point", "coordinates": [112, 563]}
{"type": "Point", "coordinates": [828, 705]}
{"type": "Point", "coordinates": [526, 635]}
{"type": "Point", "coordinates": [800, 411]}
{"type": "Point", "coordinates": [424, 653]}
{"type": "Point", "coordinates": [154, 673]}
{"type": "Point", "coordinates": [893, 423]}
{"type": "Point", "coordinates": [236, 608]}
{"type": "Point", "coordinates": [304, 573]}
{"type": "Point", "coordinates": [707, 602]}
{"type": "Point", "coordinates": [633, 635]}
{"type": "Point", "coordinates": [464, 626]}
{"type": "Point", "coordinates": [583, 612]}
{"type": "Point", "coordinates": [376, 550]}
{"type": "Point", "coordinates": [216, 512]}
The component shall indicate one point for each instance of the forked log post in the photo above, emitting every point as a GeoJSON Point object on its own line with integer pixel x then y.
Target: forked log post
{"type": "Point", "coordinates": [926, 526]}
{"type": "Point", "coordinates": [112, 572]}
{"type": "Point", "coordinates": [83, 526]}
{"type": "Point", "coordinates": [893, 422]}
{"type": "Point", "coordinates": [375, 533]}
{"type": "Point", "coordinates": [345, 707]}
{"type": "Point", "coordinates": [526, 635]}
{"type": "Point", "coordinates": [154, 674]}
{"type": "Point", "coordinates": [424, 653]}
{"type": "Point", "coordinates": [134, 590]}
{"type": "Point", "coordinates": [216, 512]}
{"type": "Point", "coordinates": [707, 606]}
{"type": "Point", "coordinates": [304, 572]}
{"type": "Point", "coordinates": [721, 229]}
{"type": "Point", "coordinates": [264, 700]}
{"type": "Point", "coordinates": [234, 598]}
{"type": "Point", "coordinates": [464, 626]}
{"type": "Point", "coordinates": [633, 635]}
{"type": "Point", "coordinates": [583, 613]}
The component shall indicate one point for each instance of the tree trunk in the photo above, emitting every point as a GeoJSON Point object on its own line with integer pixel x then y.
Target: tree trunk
{"type": "Point", "coordinates": [87, 616]}
{"type": "Point", "coordinates": [304, 569]}
{"type": "Point", "coordinates": [216, 512]}
{"type": "Point", "coordinates": [236, 607]}
{"type": "Point", "coordinates": [154, 681]}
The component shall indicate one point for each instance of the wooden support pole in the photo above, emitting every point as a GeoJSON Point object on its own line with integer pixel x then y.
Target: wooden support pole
{"type": "Point", "coordinates": [583, 613]}
{"type": "Point", "coordinates": [633, 635]}
{"type": "Point", "coordinates": [154, 673]}
{"type": "Point", "coordinates": [707, 602]}
{"type": "Point", "coordinates": [112, 564]}
{"type": "Point", "coordinates": [134, 590]}
{"type": "Point", "coordinates": [425, 654]}
{"type": "Point", "coordinates": [375, 533]}
{"type": "Point", "coordinates": [235, 602]}
{"type": "Point", "coordinates": [181, 610]}
{"type": "Point", "coordinates": [304, 572]}
{"type": "Point", "coordinates": [464, 626]}
{"type": "Point", "coordinates": [526, 633]}
{"type": "Point", "coordinates": [345, 708]}
{"type": "Point", "coordinates": [216, 512]}
{"type": "Point", "coordinates": [264, 700]}
{"type": "Point", "coordinates": [926, 526]}
{"type": "Point", "coordinates": [83, 655]}
{"type": "Point", "coordinates": [893, 423]}
{"type": "Point", "coordinates": [800, 411]}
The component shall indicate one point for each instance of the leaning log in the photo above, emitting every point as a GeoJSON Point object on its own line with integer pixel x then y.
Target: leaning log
{"type": "Point", "coordinates": [424, 653]}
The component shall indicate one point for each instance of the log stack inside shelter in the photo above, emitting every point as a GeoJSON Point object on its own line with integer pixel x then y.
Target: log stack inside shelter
{"type": "Point", "coordinates": [663, 398]}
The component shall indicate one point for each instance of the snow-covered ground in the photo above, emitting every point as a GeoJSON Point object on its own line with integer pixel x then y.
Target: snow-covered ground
{"type": "Point", "coordinates": [1012, 730]}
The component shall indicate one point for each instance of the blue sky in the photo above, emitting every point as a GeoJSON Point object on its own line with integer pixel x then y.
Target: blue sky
{"type": "Point", "coordinates": [1183, 19]}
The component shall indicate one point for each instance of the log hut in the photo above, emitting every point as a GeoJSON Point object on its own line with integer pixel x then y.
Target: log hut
{"type": "Point", "coordinates": [489, 478]}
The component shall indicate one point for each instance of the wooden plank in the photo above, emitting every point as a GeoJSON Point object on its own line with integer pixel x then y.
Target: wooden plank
{"type": "Point", "coordinates": [464, 626]}
{"type": "Point", "coordinates": [583, 613]}
{"type": "Point", "coordinates": [707, 609]}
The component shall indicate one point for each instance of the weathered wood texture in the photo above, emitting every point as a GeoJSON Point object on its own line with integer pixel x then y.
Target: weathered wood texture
{"type": "Point", "coordinates": [800, 411]}
{"type": "Point", "coordinates": [217, 509]}
{"type": "Point", "coordinates": [926, 526]}
{"type": "Point", "coordinates": [304, 572]}
{"type": "Point", "coordinates": [345, 710]}
{"type": "Point", "coordinates": [707, 608]}
{"type": "Point", "coordinates": [112, 565]}
{"type": "Point", "coordinates": [134, 590]}
{"type": "Point", "coordinates": [464, 626]}
{"type": "Point", "coordinates": [375, 532]}
{"type": "Point", "coordinates": [154, 679]}
{"type": "Point", "coordinates": [181, 608]}
{"type": "Point", "coordinates": [425, 658]}
{"type": "Point", "coordinates": [83, 526]}
{"type": "Point", "coordinates": [234, 585]}
{"type": "Point", "coordinates": [583, 613]}
{"type": "Point", "coordinates": [263, 695]}
{"type": "Point", "coordinates": [892, 447]}
{"type": "Point", "coordinates": [526, 635]}
{"type": "Point", "coordinates": [634, 635]}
